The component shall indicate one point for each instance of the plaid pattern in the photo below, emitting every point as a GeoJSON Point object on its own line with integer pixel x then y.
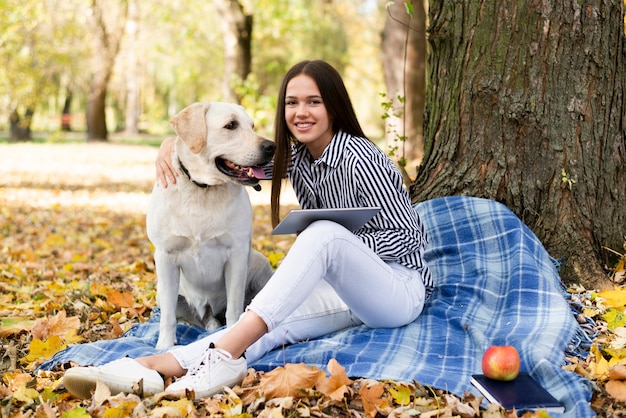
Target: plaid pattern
{"type": "Point", "coordinates": [494, 284]}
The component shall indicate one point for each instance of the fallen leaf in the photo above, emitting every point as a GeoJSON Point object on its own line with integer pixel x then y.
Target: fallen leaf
{"type": "Point", "coordinates": [372, 397]}
{"type": "Point", "coordinates": [618, 372]}
{"type": "Point", "coordinates": [615, 318]}
{"type": "Point", "coordinates": [617, 389]}
{"type": "Point", "coordinates": [460, 408]}
{"type": "Point", "coordinates": [289, 380]}
{"type": "Point", "coordinates": [43, 350]}
{"type": "Point", "coordinates": [121, 300]}
{"type": "Point", "coordinates": [337, 384]}
{"type": "Point", "coordinates": [613, 298]}
{"type": "Point", "coordinates": [400, 393]}
{"type": "Point", "coordinates": [76, 413]}
{"type": "Point", "coordinates": [25, 394]}
{"type": "Point", "coordinates": [11, 326]}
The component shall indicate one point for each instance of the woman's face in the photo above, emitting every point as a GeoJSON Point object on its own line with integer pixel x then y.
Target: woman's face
{"type": "Point", "coordinates": [306, 115]}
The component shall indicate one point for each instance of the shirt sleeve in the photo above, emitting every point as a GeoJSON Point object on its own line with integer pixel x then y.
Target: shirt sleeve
{"type": "Point", "coordinates": [396, 231]}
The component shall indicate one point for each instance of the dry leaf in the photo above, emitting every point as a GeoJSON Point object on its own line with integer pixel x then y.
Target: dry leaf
{"type": "Point", "coordinates": [618, 372]}
{"type": "Point", "coordinates": [14, 325]}
{"type": "Point", "coordinates": [617, 389]}
{"type": "Point", "coordinates": [371, 395]}
{"type": "Point", "coordinates": [121, 300]}
{"type": "Point", "coordinates": [289, 380]}
{"type": "Point", "coordinates": [337, 384]}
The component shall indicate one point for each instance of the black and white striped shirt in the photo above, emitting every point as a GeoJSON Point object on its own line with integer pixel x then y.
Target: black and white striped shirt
{"type": "Point", "coordinates": [353, 172]}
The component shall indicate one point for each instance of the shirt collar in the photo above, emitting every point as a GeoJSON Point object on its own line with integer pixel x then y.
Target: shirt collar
{"type": "Point", "coordinates": [332, 153]}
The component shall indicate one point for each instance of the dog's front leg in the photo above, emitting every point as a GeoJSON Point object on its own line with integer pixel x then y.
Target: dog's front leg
{"type": "Point", "coordinates": [236, 275]}
{"type": "Point", "coordinates": [168, 281]}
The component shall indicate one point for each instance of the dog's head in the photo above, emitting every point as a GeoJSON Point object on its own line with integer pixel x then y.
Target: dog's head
{"type": "Point", "coordinates": [216, 143]}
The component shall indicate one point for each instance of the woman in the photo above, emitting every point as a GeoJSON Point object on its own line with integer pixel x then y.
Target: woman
{"type": "Point", "coordinates": [331, 278]}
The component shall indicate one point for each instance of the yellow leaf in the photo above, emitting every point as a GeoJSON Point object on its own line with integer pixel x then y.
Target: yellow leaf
{"type": "Point", "coordinates": [614, 318]}
{"type": "Point", "coordinates": [591, 313]}
{"type": "Point", "coordinates": [400, 393]}
{"type": "Point", "coordinates": [275, 258]}
{"type": "Point", "coordinates": [16, 379]}
{"type": "Point", "coordinates": [620, 270]}
{"type": "Point", "coordinates": [182, 405]}
{"type": "Point", "coordinates": [123, 409]}
{"type": "Point", "coordinates": [98, 289]}
{"type": "Point", "coordinates": [613, 298]}
{"type": "Point", "coordinates": [231, 405]}
{"type": "Point", "coordinates": [76, 413]}
{"type": "Point", "coordinates": [601, 364]}
{"type": "Point", "coordinates": [24, 394]}
{"type": "Point", "coordinates": [40, 350]}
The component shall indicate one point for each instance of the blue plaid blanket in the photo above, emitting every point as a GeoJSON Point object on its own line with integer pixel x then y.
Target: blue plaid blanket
{"type": "Point", "coordinates": [494, 284]}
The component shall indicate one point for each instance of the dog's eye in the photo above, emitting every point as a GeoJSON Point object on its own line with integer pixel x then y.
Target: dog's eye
{"type": "Point", "coordinates": [232, 125]}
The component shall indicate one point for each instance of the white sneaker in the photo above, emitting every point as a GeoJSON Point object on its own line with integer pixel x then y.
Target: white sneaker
{"type": "Point", "coordinates": [216, 370]}
{"type": "Point", "coordinates": [119, 375]}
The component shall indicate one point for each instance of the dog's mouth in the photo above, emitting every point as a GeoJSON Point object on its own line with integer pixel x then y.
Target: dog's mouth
{"type": "Point", "coordinates": [248, 176]}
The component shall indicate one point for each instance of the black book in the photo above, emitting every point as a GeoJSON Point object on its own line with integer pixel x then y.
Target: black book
{"type": "Point", "coordinates": [521, 393]}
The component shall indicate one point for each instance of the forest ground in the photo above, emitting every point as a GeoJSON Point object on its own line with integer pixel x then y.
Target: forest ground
{"type": "Point", "coordinates": [76, 266]}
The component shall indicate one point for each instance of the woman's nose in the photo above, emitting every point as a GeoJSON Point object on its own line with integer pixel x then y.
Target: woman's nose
{"type": "Point", "coordinates": [302, 110]}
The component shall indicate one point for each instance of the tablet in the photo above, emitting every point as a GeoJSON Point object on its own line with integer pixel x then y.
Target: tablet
{"type": "Point", "coordinates": [351, 218]}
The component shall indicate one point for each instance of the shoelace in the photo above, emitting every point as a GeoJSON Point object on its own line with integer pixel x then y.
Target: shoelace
{"type": "Point", "coordinates": [211, 356]}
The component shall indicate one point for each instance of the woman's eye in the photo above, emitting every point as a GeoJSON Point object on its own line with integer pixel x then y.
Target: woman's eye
{"type": "Point", "coordinates": [232, 125]}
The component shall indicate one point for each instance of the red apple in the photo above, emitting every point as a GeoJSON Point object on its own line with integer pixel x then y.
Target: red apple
{"type": "Point", "coordinates": [501, 362]}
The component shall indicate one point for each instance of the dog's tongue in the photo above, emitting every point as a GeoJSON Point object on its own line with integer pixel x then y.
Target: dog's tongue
{"type": "Point", "coordinates": [258, 172]}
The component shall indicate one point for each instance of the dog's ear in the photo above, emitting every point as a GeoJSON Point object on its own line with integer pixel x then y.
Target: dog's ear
{"type": "Point", "coordinates": [190, 125]}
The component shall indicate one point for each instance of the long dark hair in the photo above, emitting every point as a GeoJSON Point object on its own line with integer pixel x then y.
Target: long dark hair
{"type": "Point", "coordinates": [340, 112]}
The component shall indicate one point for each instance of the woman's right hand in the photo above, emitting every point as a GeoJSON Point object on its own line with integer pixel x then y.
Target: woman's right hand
{"type": "Point", "coordinates": [165, 172]}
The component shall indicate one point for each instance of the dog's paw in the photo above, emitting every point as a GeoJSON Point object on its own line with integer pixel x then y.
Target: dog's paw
{"type": "Point", "coordinates": [165, 343]}
{"type": "Point", "coordinates": [212, 324]}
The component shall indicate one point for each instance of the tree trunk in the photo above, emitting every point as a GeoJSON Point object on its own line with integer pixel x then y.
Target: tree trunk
{"type": "Point", "coordinates": [96, 113]}
{"type": "Point", "coordinates": [66, 115]}
{"type": "Point", "coordinates": [131, 116]}
{"type": "Point", "coordinates": [20, 125]}
{"type": "Point", "coordinates": [108, 28]}
{"type": "Point", "coordinates": [526, 106]}
{"type": "Point", "coordinates": [404, 39]}
{"type": "Point", "coordinates": [237, 32]}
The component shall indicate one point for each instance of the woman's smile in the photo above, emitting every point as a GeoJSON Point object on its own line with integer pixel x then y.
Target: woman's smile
{"type": "Point", "coordinates": [306, 115]}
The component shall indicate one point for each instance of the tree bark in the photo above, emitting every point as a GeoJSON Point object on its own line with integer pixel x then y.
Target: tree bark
{"type": "Point", "coordinates": [20, 125]}
{"type": "Point", "coordinates": [236, 28]}
{"type": "Point", "coordinates": [66, 115]}
{"type": "Point", "coordinates": [403, 50]}
{"type": "Point", "coordinates": [108, 27]}
{"type": "Point", "coordinates": [526, 106]}
{"type": "Point", "coordinates": [131, 114]}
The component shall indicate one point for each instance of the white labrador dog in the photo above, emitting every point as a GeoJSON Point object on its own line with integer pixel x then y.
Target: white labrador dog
{"type": "Point", "coordinates": [201, 226]}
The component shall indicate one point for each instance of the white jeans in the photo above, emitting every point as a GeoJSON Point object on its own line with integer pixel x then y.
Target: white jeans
{"type": "Point", "coordinates": [329, 280]}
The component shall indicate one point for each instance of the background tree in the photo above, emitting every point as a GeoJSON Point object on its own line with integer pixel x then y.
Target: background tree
{"type": "Point", "coordinates": [236, 25]}
{"type": "Point", "coordinates": [133, 79]}
{"type": "Point", "coordinates": [108, 21]}
{"type": "Point", "coordinates": [33, 63]}
{"type": "Point", "coordinates": [403, 51]}
{"type": "Point", "coordinates": [526, 106]}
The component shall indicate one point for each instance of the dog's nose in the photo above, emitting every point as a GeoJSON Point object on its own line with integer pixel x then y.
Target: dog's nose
{"type": "Point", "coordinates": [268, 148]}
